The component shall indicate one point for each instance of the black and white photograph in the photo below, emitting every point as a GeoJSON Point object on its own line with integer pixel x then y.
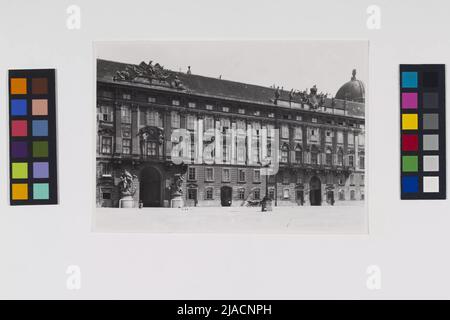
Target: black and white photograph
{"type": "Point", "coordinates": [241, 128]}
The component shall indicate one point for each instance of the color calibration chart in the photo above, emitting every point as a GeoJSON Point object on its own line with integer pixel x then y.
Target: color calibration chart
{"type": "Point", "coordinates": [32, 112]}
{"type": "Point", "coordinates": [422, 117]}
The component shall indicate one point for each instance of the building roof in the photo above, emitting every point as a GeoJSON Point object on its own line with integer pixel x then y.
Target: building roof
{"type": "Point", "coordinates": [220, 88]}
{"type": "Point", "coordinates": [353, 90]}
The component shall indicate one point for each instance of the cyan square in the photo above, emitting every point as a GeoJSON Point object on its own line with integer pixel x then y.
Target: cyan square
{"type": "Point", "coordinates": [409, 79]}
{"type": "Point", "coordinates": [40, 128]}
{"type": "Point", "coordinates": [18, 107]}
{"type": "Point", "coordinates": [40, 191]}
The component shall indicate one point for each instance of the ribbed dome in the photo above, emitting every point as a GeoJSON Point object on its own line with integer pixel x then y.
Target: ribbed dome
{"type": "Point", "coordinates": [353, 90]}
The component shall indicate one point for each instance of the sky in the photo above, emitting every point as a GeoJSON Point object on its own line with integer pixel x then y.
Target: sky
{"type": "Point", "coordinates": [297, 64]}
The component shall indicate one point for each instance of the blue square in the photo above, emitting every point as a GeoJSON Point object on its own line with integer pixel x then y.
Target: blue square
{"type": "Point", "coordinates": [40, 128]}
{"type": "Point", "coordinates": [18, 107]}
{"type": "Point", "coordinates": [409, 79]}
{"type": "Point", "coordinates": [410, 184]}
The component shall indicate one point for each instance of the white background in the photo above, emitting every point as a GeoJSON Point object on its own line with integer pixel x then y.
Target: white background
{"type": "Point", "coordinates": [409, 240]}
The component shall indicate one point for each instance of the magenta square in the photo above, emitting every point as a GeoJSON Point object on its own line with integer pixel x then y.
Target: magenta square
{"type": "Point", "coordinates": [409, 100]}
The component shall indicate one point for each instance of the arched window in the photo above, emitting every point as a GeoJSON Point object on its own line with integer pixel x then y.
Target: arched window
{"type": "Point", "coordinates": [284, 153]}
{"type": "Point", "coordinates": [298, 154]}
{"type": "Point", "coordinates": [352, 195]}
{"type": "Point", "coordinates": [328, 157]}
{"type": "Point", "coordinates": [341, 195]}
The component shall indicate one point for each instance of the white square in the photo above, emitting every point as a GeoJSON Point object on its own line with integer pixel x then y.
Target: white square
{"type": "Point", "coordinates": [430, 163]}
{"type": "Point", "coordinates": [430, 184]}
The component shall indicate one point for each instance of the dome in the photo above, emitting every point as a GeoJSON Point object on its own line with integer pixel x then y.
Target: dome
{"type": "Point", "coordinates": [353, 90]}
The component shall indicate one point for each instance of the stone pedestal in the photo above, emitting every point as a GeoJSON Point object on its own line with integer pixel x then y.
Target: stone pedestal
{"type": "Point", "coordinates": [176, 202]}
{"type": "Point", "coordinates": [126, 202]}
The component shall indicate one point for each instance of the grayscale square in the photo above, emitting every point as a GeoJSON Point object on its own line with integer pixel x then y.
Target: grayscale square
{"type": "Point", "coordinates": [430, 142]}
{"type": "Point", "coordinates": [430, 100]}
{"type": "Point", "coordinates": [430, 121]}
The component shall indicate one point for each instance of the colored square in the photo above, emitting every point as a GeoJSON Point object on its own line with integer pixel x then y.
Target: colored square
{"type": "Point", "coordinates": [40, 149]}
{"type": "Point", "coordinates": [410, 164]}
{"type": "Point", "coordinates": [19, 128]}
{"type": "Point", "coordinates": [40, 191]}
{"type": "Point", "coordinates": [410, 142]}
{"type": "Point", "coordinates": [40, 170]}
{"type": "Point", "coordinates": [18, 107]}
{"type": "Point", "coordinates": [410, 121]}
{"type": "Point", "coordinates": [409, 100]}
{"type": "Point", "coordinates": [40, 128]}
{"type": "Point", "coordinates": [19, 191]}
{"type": "Point", "coordinates": [19, 149]}
{"type": "Point", "coordinates": [430, 142]}
{"type": "Point", "coordinates": [39, 107]}
{"type": "Point", "coordinates": [430, 163]}
{"type": "Point", "coordinates": [39, 85]}
{"type": "Point", "coordinates": [430, 79]}
{"type": "Point", "coordinates": [430, 184]}
{"type": "Point", "coordinates": [19, 170]}
{"type": "Point", "coordinates": [430, 121]}
{"type": "Point", "coordinates": [410, 184]}
{"type": "Point", "coordinates": [18, 86]}
{"type": "Point", "coordinates": [409, 79]}
{"type": "Point", "coordinates": [430, 100]}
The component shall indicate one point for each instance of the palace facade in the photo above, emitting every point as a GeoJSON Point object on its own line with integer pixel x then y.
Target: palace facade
{"type": "Point", "coordinates": [321, 139]}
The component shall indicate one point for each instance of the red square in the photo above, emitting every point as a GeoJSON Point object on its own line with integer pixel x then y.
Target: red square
{"type": "Point", "coordinates": [19, 128]}
{"type": "Point", "coordinates": [410, 142]}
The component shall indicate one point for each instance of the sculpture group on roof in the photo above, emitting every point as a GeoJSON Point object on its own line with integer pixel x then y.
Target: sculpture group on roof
{"type": "Point", "coordinates": [314, 99]}
{"type": "Point", "coordinates": [149, 72]}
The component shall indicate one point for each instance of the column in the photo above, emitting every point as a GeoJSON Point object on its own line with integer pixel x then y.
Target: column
{"type": "Point", "coordinates": [118, 128]}
{"type": "Point", "coordinates": [134, 129]}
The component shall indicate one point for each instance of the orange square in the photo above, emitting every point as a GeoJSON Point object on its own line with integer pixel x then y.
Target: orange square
{"type": "Point", "coordinates": [19, 191]}
{"type": "Point", "coordinates": [18, 85]}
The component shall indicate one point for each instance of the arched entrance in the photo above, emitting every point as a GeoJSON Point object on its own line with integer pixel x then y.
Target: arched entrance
{"type": "Point", "coordinates": [225, 196]}
{"type": "Point", "coordinates": [150, 187]}
{"type": "Point", "coordinates": [315, 191]}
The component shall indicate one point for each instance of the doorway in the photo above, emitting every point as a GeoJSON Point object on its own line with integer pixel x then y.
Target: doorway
{"type": "Point", "coordinates": [225, 196]}
{"type": "Point", "coordinates": [315, 191]}
{"type": "Point", "coordinates": [150, 187]}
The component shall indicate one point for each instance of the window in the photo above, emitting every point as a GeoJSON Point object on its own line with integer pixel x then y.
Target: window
{"type": "Point", "coordinates": [286, 193]}
{"type": "Point", "coordinates": [328, 157]}
{"type": "Point", "coordinates": [191, 173]}
{"type": "Point", "coordinates": [314, 120]}
{"type": "Point", "coordinates": [209, 107]}
{"type": "Point", "coordinates": [191, 105]}
{"type": "Point", "coordinates": [350, 138]}
{"type": "Point", "coordinates": [314, 157]}
{"type": "Point", "coordinates": [226, 175]}
{"type": "Point", "coordinates": [241, 111]}
{"type": "Point", "coordinates": [257, 194]}
{"type": "Point", "coordinates": [329, 136]}
{"type": "Point", "coordinates": [226, 109]}
{"type": "Point", "coordinates": [126, 114]}
{"type": "Point", "coordinates": [284, 153]}
{"type": "Point", "coordinates": [361, 180]}
{"type": "Point", "coordinates": [341, 195]}
{"type": "Point", "coordinates": [314, 134]}
{"type": "Point", "coordinates": [107, 145]}
{"type": "Point", "coordinates": [298, 118]}
{"type": "Point", "coordinates": [126, 96]}
{"type": "Point", "coordinates": [256, 175]}
{"type": "Point", "coordinates": [175, 102]}
{"type": "Point", "coordinates": [352, 180]}
{"type": "Point", "coordinates": [351, 161]}
{"type": "Point", "coordinates": [126, 146]}
{"type": "Point", "coordinates": [241, 153]}
{"type": "Point", "coordinates": [190, 122]}
{"type": "Point", "coordinates": [240, 124]}
{"type": "Point", "coordinates": [272, 193]}
{"type": "Point", "coordinates": [285, 131]}
{"type": "Point", "coordinates": [209, 193]}
{"type": "Point", "coordinates": [106, 195]}
{"type": "Point", "coordinates": [361, 140]}
{"type": "Point", "coordinates": [340, 157]}
{"type": "Point", "coordinates": [299, 178]}
{"type": "Point", "coordinates": [209, 174]}
{"type": "Point", "coordinates": [362, 195]}
{"type": "Point", "coordinates": [151, 99]}
{"type": "Point", "coordinates": [106, 113]}
{"type": "Point", "coordinates": [271, 115]}
{"type": "Point", "coordinates": [270, 130]}
{"type": "Point", "coordinates": [361, 161]}
{"type": "Point", "coordinates": [241, 175]}
{"type": "Point", "coordinates": [340, 137]}
{"type": "Point", "coordinates": [257, 113]}
{"type": "Point", "coordinates": [298, 133]}
{"type": "Point", "coordinates": [241, 193]}
{"type": "Point", "coordinates": [192, 194]}
{"type": "Point", "coordinates": [209, 123]}
{"type": "Point", "coordinates": [154, 118]}
{"type": "Point", "coordinates": [152, 149]}
{"type": "Point", "coordinates": [298, 154]}
{"type": "Point", "coordinates": [175, 119]}
{"type": "Point", "coordinates": [105, 169]}
{"type": "Point", "coordinates": [352, 195]}
{"type": "Point", "coordinates": [225, 123]}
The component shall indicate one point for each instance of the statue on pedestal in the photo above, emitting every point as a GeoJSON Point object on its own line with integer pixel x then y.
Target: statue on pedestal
{"type": "Point", "coordinates": [127, 189]}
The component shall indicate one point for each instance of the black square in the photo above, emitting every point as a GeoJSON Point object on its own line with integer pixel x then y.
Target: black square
{"type": "Point", "coordinates": [430, 79]}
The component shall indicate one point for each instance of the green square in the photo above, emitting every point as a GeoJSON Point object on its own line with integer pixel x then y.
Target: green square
{"type": "Point", "coordinates": [20, 170]}
{"type": "Point", "coordinates": [410, 163]}
{"type": "Point", "coordinates": [40, 191]}
{"type": "Point", "coordinates": [40, 149]}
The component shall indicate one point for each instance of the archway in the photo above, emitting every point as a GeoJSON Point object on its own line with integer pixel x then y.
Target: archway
{"type": "Point", "coordinates": [150, 187]}
{"type": "Point", "coordinates": [315, 191]}
{"type": "Point", "coordinates": [225, 196]}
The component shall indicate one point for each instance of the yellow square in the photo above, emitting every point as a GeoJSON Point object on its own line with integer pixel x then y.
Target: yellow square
{"type": "Point", "coordinates": [19, 191]}
{"type": "Point", "coordinates": [410, 121]}
{"type": "Point", "coordinates": [18, 85]}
